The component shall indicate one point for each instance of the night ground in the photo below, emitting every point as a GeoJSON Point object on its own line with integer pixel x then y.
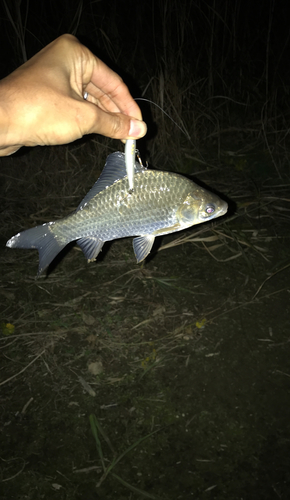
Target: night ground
{"type": "Point", "coordinates": [171, 379]}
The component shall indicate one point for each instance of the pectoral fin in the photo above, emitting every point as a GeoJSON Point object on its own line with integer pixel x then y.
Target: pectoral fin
{"type": "Point", "coordinates": [142, 246]}
{"type": "Point", "coordinates": [91, 247]}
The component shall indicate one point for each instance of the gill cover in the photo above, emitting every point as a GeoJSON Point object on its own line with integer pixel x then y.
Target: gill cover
{"type": "Point", "coordinates": [188, 211]}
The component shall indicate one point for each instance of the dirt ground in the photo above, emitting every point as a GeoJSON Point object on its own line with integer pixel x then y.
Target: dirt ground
{"type": "Point", "coordinates": [168, 380]}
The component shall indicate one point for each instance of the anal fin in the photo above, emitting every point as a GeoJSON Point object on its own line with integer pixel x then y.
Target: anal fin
{"type": "Point", "coordinates": [142, 246]}
{"type": "Point", "coordinates": [91, 246]}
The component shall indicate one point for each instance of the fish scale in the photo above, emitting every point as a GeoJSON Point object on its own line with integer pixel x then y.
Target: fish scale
{"type": "Point", "coordinates": [114, 213]}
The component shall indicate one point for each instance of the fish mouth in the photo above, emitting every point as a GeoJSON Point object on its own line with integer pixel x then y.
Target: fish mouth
{"type": "Point", "coordinates": [223, 210]}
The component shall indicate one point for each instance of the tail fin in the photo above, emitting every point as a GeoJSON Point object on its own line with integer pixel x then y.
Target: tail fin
{"type": "Point", "coordinates": [41, 238]}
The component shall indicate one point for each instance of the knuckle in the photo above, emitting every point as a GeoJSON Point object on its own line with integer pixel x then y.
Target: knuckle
{"type": "Point", "coordinates": [117, 126]}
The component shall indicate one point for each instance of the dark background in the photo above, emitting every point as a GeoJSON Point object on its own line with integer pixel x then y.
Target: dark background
{"type": "Point", "coordinates": [238, 49]}
{"type": "Point", "coordinates": [195, 343]}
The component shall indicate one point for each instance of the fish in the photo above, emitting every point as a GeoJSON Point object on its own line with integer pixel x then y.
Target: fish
{"type": "Point", "coordinates": [161, 203]}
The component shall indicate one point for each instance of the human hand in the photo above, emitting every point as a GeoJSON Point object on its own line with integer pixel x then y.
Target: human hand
{"type": "Point", "coordinates": [42, 101]}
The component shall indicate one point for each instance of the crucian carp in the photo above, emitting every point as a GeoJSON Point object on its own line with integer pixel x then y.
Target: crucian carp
{"type": "Point", "coordinates": [161, 203]}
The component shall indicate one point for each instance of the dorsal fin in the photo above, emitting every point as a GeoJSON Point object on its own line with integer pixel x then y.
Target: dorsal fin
{"type": "Point", "coordinates": [114, 170]}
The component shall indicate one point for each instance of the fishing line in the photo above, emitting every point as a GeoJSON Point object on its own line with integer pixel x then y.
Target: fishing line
{"type": "Point", "coordinates": [183, 130]}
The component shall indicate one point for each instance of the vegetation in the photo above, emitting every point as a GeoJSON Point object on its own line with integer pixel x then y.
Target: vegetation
{"type": "Point", "coordinates": [167, 380]}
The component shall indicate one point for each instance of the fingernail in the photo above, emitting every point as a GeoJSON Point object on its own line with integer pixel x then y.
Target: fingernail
{"type": "Point", "coordinates": [137, 129]}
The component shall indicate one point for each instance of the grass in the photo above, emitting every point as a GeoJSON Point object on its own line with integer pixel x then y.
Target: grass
{"type": "Point", "coordinates": [147, 327]}
{"type": "Point", "coordinates": [189, 398]}
{"type": "Point", "coordinates": [98, 432]}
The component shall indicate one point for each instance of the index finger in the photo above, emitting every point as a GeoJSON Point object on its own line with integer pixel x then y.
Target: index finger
{"type": "Point", "coordinates": [112, 85]}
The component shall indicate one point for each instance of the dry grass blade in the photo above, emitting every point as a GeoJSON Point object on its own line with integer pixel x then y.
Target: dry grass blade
{"type": "Point", "coordinates": [134, 489]}
{"type": "Point", "coordinates": [15, 475]}
{"type": "Point", "coordinates": [189, 239]}
{"type": "Point", "coordinates": [23, 370]}
{"type": "Point", "coordinates": [268, 278]}
{"type": "Point", "coordinates": [130, 448]}
{"type": "Point", "coordinates": [19, 26]}
{"type": "Point", "coordinates": [238, 254]}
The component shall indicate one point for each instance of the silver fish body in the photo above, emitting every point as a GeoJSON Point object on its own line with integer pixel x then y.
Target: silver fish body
{"type": "Point", "coordinates": [161, 203]}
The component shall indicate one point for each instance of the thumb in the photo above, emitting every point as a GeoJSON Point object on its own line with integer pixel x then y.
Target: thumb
{"type": "Point", "coordinates": [115, 125]}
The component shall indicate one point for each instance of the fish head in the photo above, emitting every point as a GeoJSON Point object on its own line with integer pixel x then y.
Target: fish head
{"type": "Point", "coordinates": [200, 206]}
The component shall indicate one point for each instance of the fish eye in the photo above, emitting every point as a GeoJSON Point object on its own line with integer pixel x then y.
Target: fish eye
{"type": "Point", "coordinates": [210, 208]}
